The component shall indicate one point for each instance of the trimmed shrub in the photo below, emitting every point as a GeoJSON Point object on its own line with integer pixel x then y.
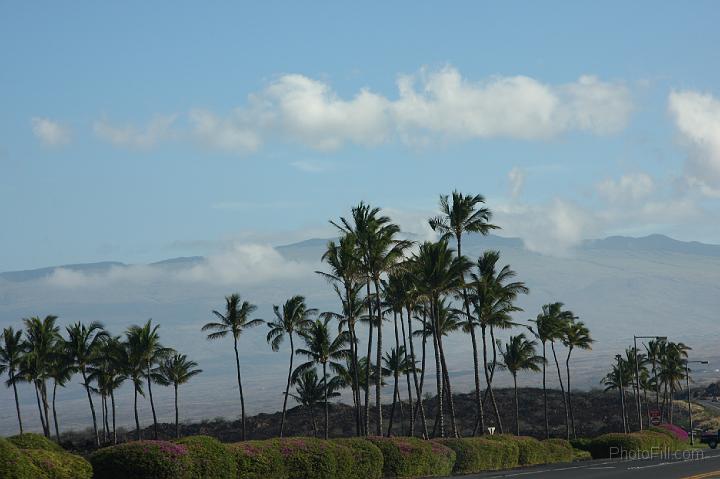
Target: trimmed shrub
{"type": "Point", "coordinates": [557, 450]}
{"type": "Point", "coordinates": [581, 455]}
{"type": "Point", "coordinates": [209, 458]}
{"type": "Point", "coordinates": [30, 440]}
{"type": "Point", "coordinates": [476, 454]}
{"type": "Point", "coordinates": [412, 457]}
{"type": "Point", "coordinates": [59, 465]}
{"type": "Point", "coordinates": [615, 444]}
{"type": "Point", "coordinates": [676, 432]}
{"type": "Point", "coordinates": [366, 460]}
{"type": "Point", "coordinates": [530, 450]}
{"type": "Point", "coordinates": [142, 460]}
{"type": "Point", "coordinates": [14, 464]}
{"type": "Point", "coordinates": [308, 458]}
{"type": "Point", "coordinates": [258, 460]}
{"type": "Point", "coordinates": [582, 443]}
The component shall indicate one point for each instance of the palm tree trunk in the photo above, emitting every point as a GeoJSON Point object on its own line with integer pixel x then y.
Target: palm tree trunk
{"type": "Point", "coordinates": [498, 421]}
{"type": "Point", "coordinates": [57, 428]}
{"type": "Point", "coordinates": [152, 405]}
{"type": "Point", "coordinates": [42, 418]}
{"type": "Point", "coordinates": [517, 406]}
{"type": "Point", "coordinates": [396, 393]}
{"type": "Point", "coordinates": [545, 401]}
{"type": "Point", "coordinates": [356, 378]}
{"type": "Point", "coordinates": [242, 398]}
{"type": "Point", "coordinates": [369, 359]}
{"type": "Point", "coordinates": [562, 391]}
{"type": "Point", "coordinates": [327, 414]}
{"type": "Point", "coordinates": [107, 419]}
{"type": "Point", "coordinates": [17, 402]}
{"type": "Point", "coordinates": [569, 397]}
{"type": "Point", "coordinates": [46, 405]}
{"type": "Point", "coordinates": [407, 373]}
{"type": "Point", "coordinates": [112, 401]}
{"type": "Point", "coordinates": [314, 422]}
{"type": "Point", "coordinates": [287, 385]}
{"type": "Point", "coordinates": [494, 350]}
{"type": "Point", "coordinates": [439, 415]}
{"type": "Point", "coordinates": [378, 355]}
{"type": "Point", "coordinates": [479, 413]}
{"type": "Point", "coordinates": [418, 389]}
{"type": "Point", "coordinates": [396, 374]}
{"type": "Point", "coordinates": [451, 403]}
{"type": "Point", "coordinates": [92, 407]}
{"type": "Point", "coordinates": [137, 419]}
{"type": "Point", "coordinates": [177, 413]}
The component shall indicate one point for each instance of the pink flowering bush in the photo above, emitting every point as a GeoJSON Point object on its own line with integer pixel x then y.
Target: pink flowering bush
{"type": "Point", "coordinates": [258, 459]}
{"type": "Point", "coordinates": [143, 460]}
{"type": "Point", "coordinates": [412, 457]}
{"type": "Point", "coordinates": [677, 432]}
{"type": "Point", "coordinates": [209, 457]}
{"type": "Point", "coordinates": [14, 464]}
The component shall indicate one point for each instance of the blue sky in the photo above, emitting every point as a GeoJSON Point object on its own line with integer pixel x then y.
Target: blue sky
{"type": "Point", "coordinates": [138, 131]}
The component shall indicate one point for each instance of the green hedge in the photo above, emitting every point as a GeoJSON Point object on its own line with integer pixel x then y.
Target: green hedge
{"type": "Point", "coordinates": [614, 444]}
{"type": "Point", "coordinates": [59, 465]}
{"type": "Point", "coordinates": [308, 458]}
{"type": "Point", "coordinates": [412, 457]}
{"type": "Point", "coordinates": [209, 458]}
{"type": "Point", "coordinates": [30, 440]}
{"type": "Point", "coordinates": [530, 450]}
{"type": "Point", "coordinates": [143, 460]}
{"type": "Point", "coordinates": [476, 454]}
{"type": "Point", "coordinates": [557, 450]}
{"type": "Point", "coordinates": [366, 459]}
{"type": "Point", "coordinates": [14, 464]}
{"type": "Point", "coordinates": [258, 460]}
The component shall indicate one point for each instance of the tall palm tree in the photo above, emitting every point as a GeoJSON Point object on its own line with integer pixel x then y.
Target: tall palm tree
{"type": "Point", "coordinates": [11, 353]}
{"type": "Point", "coordinates": [618, 378]}
{"type": "Point", "coordinates": [235, 320]}
{"type": "Point", "coordinates": [145, 345]}
{"type": "Point", "coordinates": [575, 336]}
{"type": "Point", "coordinates": [324, 350]}
{"type": "Point", "coordinates": [492, 297]}
{"type": "Point", "coordinates": [380, 251]}
{"type": "Point", "coordinates": [294, 317]}
{"type": "Point", "coordinates": [672, 373]}
{"type": "Point", "coordinates": [463, 214]}
{"type": "Point", "coordinates": [176, 370]}
{"type": "Point", "coordinates": [41, 338]}
{"type": "Point", "coordinates": [551, 323]}
{"type": "Point", "coordinates": [131, 356]}
{"type": "Point", "coordinates": [440, 273]}
{"type": "Point", "coordinates": [110, 370]}
{"type": "Point", "coordinates": [519, 355]}
{"type": "Point", "coordinates": [396, 362]}
{"type": "Point", "coordinates": [81, 345]}
{"type": "Point", "coordinates": [60, 370]}
{"type": "Point", "coordinates": [345, 275]}
{"type": "Point", "coordinates": [310, 391]}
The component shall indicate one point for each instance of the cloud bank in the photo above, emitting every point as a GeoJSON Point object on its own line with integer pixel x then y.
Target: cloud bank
{"type": "Point", "coordinates": [49, 132]}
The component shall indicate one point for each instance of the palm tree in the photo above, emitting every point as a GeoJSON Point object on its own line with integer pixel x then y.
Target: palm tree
{"type": "Point", "coordinates": [346, 275]}
{"type": "Point", "coordinates": [60, 370]}
{"type": "Point", "coordinates": [380, 252]}
{"type": "Point", "coordinates": [550, 326]}
{"type": "Point", "coordinates": [439, 273]}
{"type": "Point", "coordinates": [519, 355]}
{"type": "Point", "coordinates": [81, 346]}
{"type": "Point", "coordinates": [41, 339]}
{"type": "Point", "coordinates": [294, 317]}
{"type": "Point", "coordinates": [235, 320]}
{"type": "Point", "coordinates": [131, 356]}
{"type": "Point", "coordinates": [396, 363]}
{"type": "Point", "coordinates": [575, 336]}
{"type": "Point", "coordinates": [618, 378]}
{"type": "Point", "coordinates": [492, 297]}
{"type": "Point", "coordinates": [324, 350]}
{"type": "Point", "coordinates": [144, 341]}
{"type": "Point", "coordinates": [462, 215]}
{"type": "Point", "coordinates": [311, 391]}
{"type": "Point", "coordinates": [176, 370]}
{"type": "Point", "coordinates": [11, 353]}
{"type": "Point", "coordinates": [109, 370]}
{"type": "Point", "coordinates": [672, 373]}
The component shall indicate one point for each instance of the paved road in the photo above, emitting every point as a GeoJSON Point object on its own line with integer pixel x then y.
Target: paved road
{"type": "Point", "coordinates": [705, 465]}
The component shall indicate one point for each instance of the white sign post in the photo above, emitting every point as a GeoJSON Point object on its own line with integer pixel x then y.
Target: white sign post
{"type": "Point", "coordinates": [491, 430]}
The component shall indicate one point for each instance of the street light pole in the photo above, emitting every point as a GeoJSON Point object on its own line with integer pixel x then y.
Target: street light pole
{"type": "Point", "coordinates": [687, 384]}
{"type": "Point", "coordinates": [622, 393]}
{"type": "Point", "coordinates": [637, 374]}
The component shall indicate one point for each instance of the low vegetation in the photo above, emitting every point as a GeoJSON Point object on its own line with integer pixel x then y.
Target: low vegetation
{"type": "Point", "coordinates": [31, 456]}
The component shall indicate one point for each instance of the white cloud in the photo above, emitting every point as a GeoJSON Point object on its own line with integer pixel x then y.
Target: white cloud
{"type": "Point", "coordinates": [430, 106]}
{"type": "Point", "coordinates": [238, 264]}
{"type": "Point", "coordinates": [697, 118]}
{"type": "Point", "coordinates": [159, 128]}
{"type": "Point", "coordinates": [49, 132]}
{"type": "Point", "coordinates": [311, 166]}
{"type": "Point", "coordinates": [630, 187]}
{"type": "Point", "coordinates": [516, 176]}
{"type": "Point", "coordinates": [554, 228]}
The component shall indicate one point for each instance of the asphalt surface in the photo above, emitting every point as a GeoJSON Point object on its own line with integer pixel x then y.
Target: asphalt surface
{"type": "Point", "coordinates": [704, 464]}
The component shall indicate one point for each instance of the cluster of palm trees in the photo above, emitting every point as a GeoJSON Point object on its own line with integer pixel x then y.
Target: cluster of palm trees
{"type": "Point", "coordinates": [429, 291]}
{"type": "Point", "coordinates": [656, 373]}
{"type": "Point", "coordinates": [42, 356]}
